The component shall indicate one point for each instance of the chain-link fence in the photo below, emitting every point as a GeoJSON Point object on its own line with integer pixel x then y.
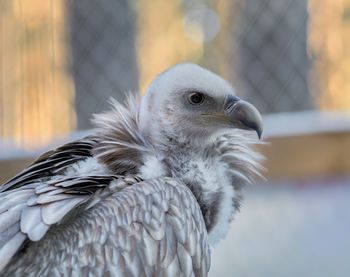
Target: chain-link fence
{"type": "Point", "coordinates": [112, 47]}
{"type": "Point", "coordinates": [274, 65]}
{"type": "Point", "coordinates": [268, 51]}
{"type": "Point", "coordinates": [103, 35]}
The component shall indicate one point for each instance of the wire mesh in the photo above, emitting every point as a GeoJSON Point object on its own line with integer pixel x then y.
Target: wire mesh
{"type": "Point", "coordinates": [67, 58]}
{"type": "Point", "coordinates": [273, 67]}
{"type": "Point", "coordinates": [268, 52]}
{"type": "Point", "coordinates": [104, 61]}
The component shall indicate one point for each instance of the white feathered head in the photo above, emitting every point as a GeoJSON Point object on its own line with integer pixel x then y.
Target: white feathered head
{"type": "Point", "coordinates": [190, 101]}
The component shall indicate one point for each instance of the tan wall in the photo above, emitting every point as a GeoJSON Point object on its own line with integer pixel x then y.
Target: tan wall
{"type": "Point", "coordinates": [315, 155]}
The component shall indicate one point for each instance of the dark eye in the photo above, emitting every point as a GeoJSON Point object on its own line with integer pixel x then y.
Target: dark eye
{"type": "Point", "coordinates": [195, 98]}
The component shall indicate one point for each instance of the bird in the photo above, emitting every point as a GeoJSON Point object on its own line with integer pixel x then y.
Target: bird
{"type": "Point", "coordinates": [149, 192]}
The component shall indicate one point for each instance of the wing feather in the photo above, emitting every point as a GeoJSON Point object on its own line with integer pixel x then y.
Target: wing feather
{"type": "Point", "coordinates": [30, 202]}
{"type": "Point", "coordinates": [8, 234]}
{"type": "Point", "coordinates": [8, 218]}
{"type": "Point", "coordinates": [52, 162]}
{"type": "Point", "coordinates": [140, 227]}
{"type": "Point", "coordinates": [46, 198]}
{"type": "Point", "coordinates": [38, 231]}
{"type": "Point", "coordinates": [10, 248]}
{"type": "Point", "coordinates": [54, 212]}
{"type": "Point", "coordinates": [30, 213]}
{"type": "Point", "coordinates": [157, 225]}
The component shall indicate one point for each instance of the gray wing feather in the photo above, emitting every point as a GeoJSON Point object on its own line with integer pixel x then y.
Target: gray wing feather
{"type": "Point", "coordinates": [35, 211]}
{"type": "Point", "coordinates": [150, 228]}
{"type": "Point", "coordinates": [31, 202]}
{"type": "Point", "coordinates": [10, 248]}
{"type": "Point", "coordinates": [54, 212]}
{"type": "Point", "coordinates": [52, 163]}
{"type": "Point", "coordinates": [30, 217]}
{"type": "Point", "coordinates": [8, 218]}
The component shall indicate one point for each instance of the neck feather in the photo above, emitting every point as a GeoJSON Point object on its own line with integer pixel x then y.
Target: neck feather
{"type": "Point", "coordinates": [212, 171]}
{"type": "Point", "coordinates": [121, 144]}
{"type": "Point", "coordinates": [215, 172]}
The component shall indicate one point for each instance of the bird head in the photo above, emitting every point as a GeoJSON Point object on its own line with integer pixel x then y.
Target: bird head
{"type": "Point", "coordinates": [189, 101]}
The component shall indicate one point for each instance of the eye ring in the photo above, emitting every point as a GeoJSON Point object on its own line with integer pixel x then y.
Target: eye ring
{"type": "Point", "coordinates": [195, 98]}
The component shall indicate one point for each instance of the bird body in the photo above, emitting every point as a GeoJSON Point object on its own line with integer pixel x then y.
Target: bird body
{"type": "Point", "coordinates": [146, 195]}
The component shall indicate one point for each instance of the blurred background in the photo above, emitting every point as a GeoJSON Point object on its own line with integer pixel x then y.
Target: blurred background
{"type": "Point", "coordinates": [61, 60]}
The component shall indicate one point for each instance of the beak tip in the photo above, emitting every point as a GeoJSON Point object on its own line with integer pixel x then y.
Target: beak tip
{"type": "Point", "coordinates": [258, 127]}
{"type": "Point", "coordinates": [245, 113]}
{"type": "Point", "coordinates": [255, 126]}
{"type": "Point", "coordinates": [259, 132]}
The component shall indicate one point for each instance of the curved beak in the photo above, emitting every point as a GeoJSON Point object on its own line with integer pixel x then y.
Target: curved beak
{"type": "Point", "coordinates": [242, 114]}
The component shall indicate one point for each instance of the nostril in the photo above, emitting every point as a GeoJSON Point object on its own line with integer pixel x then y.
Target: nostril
{"type": "Point", "coordinates": [230, 105]}
{"type": "Point", "coordinates": [230, 101]}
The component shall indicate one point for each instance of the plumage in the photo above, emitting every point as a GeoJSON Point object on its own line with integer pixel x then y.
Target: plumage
{"type": "Point", "coordinates": [146, 195]}
{"type": "Point", "coordinates": [8, 218]}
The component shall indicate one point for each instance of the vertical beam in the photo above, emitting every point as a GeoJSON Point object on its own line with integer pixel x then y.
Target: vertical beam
{"type": "Point", "coordinates": [36, 91]}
